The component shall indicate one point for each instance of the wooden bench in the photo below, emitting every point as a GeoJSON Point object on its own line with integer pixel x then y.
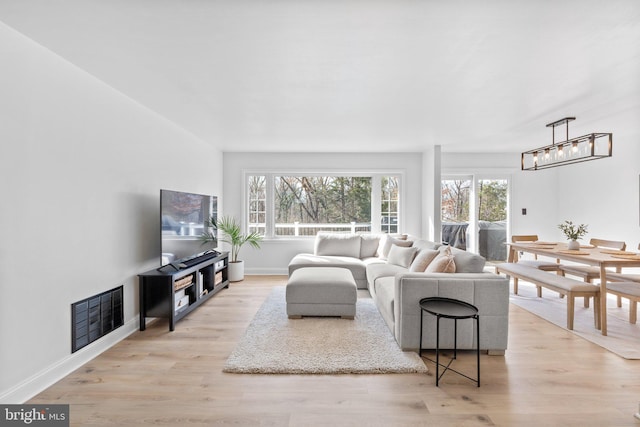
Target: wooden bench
{"type": "Point", "coordinates": [570, 288]}
{"type": "Point", "coordinates": [630, 290]}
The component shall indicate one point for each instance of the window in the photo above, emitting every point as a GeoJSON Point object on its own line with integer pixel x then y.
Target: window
{"type": "Point", "coordinates": [257, 204]}
{"type": "Point", "coordinates": [455, 200]}
{"type": "Point", "coordinates": [474, 214]}
{"type": "Point", "coordinates": [492, 200]}
{"type": "Point", "coordinates": [455, 206]}
{"type": "Point", "coordinates": [390, 198]}
{"type": "Point", "coordinates": [302, 205]}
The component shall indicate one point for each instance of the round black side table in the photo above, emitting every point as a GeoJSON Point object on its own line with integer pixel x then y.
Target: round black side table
{"type": "Point", "coordinates": [450, 309]}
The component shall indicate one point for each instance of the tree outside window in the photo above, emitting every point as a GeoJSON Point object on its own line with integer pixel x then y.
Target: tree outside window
{"type": "Point", "coordinates": [304, 205]}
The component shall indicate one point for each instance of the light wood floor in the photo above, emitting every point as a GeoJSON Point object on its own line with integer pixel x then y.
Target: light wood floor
{"type": "Point", "coordinates": [549, 377]}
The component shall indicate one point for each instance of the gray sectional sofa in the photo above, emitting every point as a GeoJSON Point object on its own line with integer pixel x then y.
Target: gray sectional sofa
{"type": "Point", "coordinates": [377, 264]}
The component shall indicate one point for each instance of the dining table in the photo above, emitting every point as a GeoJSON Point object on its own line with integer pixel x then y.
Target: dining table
{"type": "Point", "coordinates": [587, 254]}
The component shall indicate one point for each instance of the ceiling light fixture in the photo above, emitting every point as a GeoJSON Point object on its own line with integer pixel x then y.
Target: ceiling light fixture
{"type": "Point", "coordinates": [575, 150]}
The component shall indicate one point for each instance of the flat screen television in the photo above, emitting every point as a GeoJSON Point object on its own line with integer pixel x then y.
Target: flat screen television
{"type": "Point", "coordinates": [184, 218]}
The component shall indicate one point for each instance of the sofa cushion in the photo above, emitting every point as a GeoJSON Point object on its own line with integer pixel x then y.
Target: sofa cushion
{"type": "Point", "coordinates": [369, 245]}
{"type": "Point", "coordinates": [384, 297]}
{"type": "Point", "coordinates": [336, 244]}
{"type": "Point", "coordinates": [387, 241]}
{"type": "Point", "coordinates": [423, 259]}
{"type": "Point", "coordinates": [442, 263]}
{"type": "Point", "coordinates": [373, 260]}
{"type": "Point", "coordinates": [382, 269]}
{"type": "Point", "coordinates": [401, 256]}
{"type": "Point", "coordinates": [466, 262]}
{"type": "Point", "coordinates": [355, 265]}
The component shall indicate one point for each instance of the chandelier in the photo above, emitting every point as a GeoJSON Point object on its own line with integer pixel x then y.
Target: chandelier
{"type": "Point", "coordinates": [575, 150]}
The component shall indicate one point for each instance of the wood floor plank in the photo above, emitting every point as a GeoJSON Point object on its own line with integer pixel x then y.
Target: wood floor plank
{"type": "Point", "coordinates": [548, 376]}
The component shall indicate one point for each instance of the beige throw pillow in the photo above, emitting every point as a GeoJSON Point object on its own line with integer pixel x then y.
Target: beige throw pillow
{"type": "Point", "coordinates": [401, 256]}
{"type": "Point", "coordinates": [442, 263]}
{"type": "Point", "coordinates": [423, 259]}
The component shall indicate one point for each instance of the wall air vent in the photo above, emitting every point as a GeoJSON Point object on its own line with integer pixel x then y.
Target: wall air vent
{"type": "Point", "coordinates": [95, 317]}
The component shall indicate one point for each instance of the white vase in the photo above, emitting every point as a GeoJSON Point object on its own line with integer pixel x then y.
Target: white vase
{"type": "Point", "coordinates": [235, 271]}
{"type": "Point", "coordinates": [573, 245]}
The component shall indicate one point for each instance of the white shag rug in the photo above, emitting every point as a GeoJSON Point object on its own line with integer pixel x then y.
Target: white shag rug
{"type": "Point", "coordinates": [622, 337]}
{"type": "Point", "coordinates": [275, 344]}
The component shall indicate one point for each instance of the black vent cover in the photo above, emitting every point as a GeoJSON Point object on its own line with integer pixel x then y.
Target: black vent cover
{"type": "Point", "coordinates": [95, 317]}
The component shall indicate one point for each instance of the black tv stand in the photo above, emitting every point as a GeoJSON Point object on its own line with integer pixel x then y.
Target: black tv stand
{"type": "Point", "coordinates": [174, 294]}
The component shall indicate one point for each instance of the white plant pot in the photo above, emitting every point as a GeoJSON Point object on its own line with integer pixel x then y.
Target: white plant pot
{"type": "Point", "coordinates": [235, 271]}
{"type": "Point", "coordinates": [573, 245]}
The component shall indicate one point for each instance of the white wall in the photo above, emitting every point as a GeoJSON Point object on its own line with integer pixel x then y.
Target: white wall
{"type": "Point", "coordinates": [431, 194]}
{"type": "Point", "coordinates": [81, 169]}
{"type": "Point", "coordinates": [604, 193]}
{"type": "Point", "coordinates": [274, 255]}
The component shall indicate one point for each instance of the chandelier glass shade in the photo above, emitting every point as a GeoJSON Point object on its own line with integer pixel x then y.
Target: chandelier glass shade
{"type": "Point", "coordinates": [592, 146]}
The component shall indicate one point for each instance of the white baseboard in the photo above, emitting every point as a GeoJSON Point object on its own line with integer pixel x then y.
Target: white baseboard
{"type": "Point", "coordinates": [47, 377]}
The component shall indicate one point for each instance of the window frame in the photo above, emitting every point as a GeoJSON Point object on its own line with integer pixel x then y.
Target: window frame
{"type": "Point", "coordinates": [376, 195]}
{"type": "Point", "coordinates": [475, 175]}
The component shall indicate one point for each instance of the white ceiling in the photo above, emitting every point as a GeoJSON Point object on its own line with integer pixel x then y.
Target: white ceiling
{"type": "Point", "coordinates": [348, 75]}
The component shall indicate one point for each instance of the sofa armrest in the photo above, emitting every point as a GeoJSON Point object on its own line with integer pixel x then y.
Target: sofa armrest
{"type": "Point", "coordinates": [487, 291]}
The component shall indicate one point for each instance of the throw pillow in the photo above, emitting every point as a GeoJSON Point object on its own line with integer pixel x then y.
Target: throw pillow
{"type": "Point", "coordinates": [442, 263]}
{"type": "Point", "coordinates": [387, 241]}
{"type": "Point", "coordinates": [401, 256]}
{"type": "Point", "coordinates": [369, 245]}
{"type": "Point", "coordinates": [466, 262]}
{"type": "Point", "coordinates": [423, 259]}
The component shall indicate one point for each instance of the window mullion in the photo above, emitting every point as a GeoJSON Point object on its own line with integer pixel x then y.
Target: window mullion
{"type": "Point", "coordinates": [270, 231]}
{"type": "Point", "coordinates": [376, 203]}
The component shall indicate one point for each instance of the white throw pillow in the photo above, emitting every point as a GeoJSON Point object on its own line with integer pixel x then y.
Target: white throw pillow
{"type": "Point", "coordinates": [401, 256]}
{"type": "Point", "coordinates": [423, 259]}
{"type": "Point", "coordinates": [387, 241]}
{"type": "Point", "coordinates": [369, 245]}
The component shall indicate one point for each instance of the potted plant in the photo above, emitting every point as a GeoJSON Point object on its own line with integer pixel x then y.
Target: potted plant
{"type": "Point", "coordinates": [232, 234]}
{"type": "Point", "coordinates": [573, 232]}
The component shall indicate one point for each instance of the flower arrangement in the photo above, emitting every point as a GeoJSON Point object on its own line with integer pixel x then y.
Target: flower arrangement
{"type": "Point", "coordinates": [573, 231]}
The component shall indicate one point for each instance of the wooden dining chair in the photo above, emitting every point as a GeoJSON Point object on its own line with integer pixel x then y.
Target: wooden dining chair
{"type": "Point", "coordinates": [535, 262]}
{"type": "Point", "coordinates": [588, 273]}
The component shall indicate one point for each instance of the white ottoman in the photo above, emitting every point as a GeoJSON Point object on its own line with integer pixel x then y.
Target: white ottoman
{"type": "Point", "coordinates": [321, 291]}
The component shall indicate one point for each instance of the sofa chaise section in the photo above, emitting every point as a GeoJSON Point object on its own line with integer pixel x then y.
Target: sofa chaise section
{"type": "Point", "coordinates": [351, 251]}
